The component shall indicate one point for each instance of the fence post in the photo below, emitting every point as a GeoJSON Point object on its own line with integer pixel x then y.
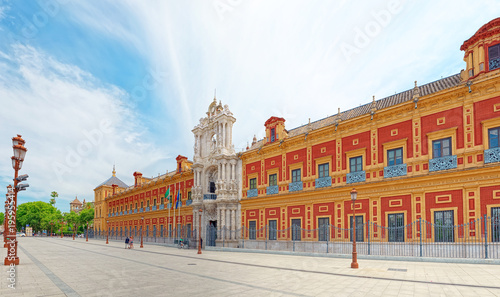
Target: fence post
{"type": "Point", "coordinates": [327, 229]}
{"type": "Point", "coordinates": [266, 231]}
{"type": "Point", "coordinates": [420, 226]}
{"type": "Point", "coordinates": [485, 237]}
{"type": "Point", "coordinates": [368, 237]}
{"type": "Point", "coordinates": [293, 236]}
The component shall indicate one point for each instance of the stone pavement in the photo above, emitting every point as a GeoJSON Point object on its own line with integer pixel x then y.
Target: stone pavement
{"type": "Point", "coordinates": [63, 267]}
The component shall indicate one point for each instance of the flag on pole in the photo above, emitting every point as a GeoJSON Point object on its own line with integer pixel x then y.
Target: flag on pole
{"type": "Point", "coordinates": [167, 195]}
{"type": "Point", "coordinates": [178, 199]}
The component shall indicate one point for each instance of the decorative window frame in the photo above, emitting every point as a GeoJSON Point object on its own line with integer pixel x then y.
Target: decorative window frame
{"type": "Point", "coordinates": [440, 134]}
{"type": "Point", "coordinates": [250, 176]}
{"type": "Point", "coordinates": [355, 153]}
{"type": "Point", "coordinates": [455, 221]}
{"type": "Point", "coordinates": [323, 160]}
{"type": "Point", "coordinates": [298, 165]}
{"type": "Point", "coordinates": [271, 172]}
{"type": "Point", "coordinates": [394, 145]}
{"type": "Point", "coordinates": [486, 125]}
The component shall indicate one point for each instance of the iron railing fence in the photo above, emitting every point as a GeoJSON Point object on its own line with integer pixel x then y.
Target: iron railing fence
{"type": "Point", "coordinates": [479, 238]}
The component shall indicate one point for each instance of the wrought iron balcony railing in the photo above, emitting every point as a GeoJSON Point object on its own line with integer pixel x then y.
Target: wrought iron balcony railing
{"type": "Point", "coordinates": [323, 182]}
{"type": "Point", "coordinates": [169, 205]}
{"type": "Point", "coordinates": [296, 186]}
{"type": "Point", "coordinates": [209, 196]}
{"type": "Point", "coordinates": [252, 193]}
{"type": "Point", "coordinates": [147, 208]}
{"type": "Point", "coordinates": [189, 202]}
{"type": "Point", "coordinates": [272, 190]}
{"type": "Point", "coordinates": [162, 207]}
{"type": "Point", "coordinates": [141, 210]}
{"type": "Point", "coordinates": [356, 177]}
{"type": "Point", "coordinates": [492, 155]}
{"type": "Point", "coordinates": [443, 163]}
{"type": "Point", "coordinates": [494, 63]}
{"type": "Point", "coordinates": [395, 170]}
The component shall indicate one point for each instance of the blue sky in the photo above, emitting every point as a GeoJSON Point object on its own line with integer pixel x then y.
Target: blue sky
{"type": "Point", "coordinates": [97, 83]}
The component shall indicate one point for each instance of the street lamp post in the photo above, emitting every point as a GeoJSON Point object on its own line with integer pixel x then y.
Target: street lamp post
{"type": "Point", "coordinates": [142, 230]}
{"type": "Point", "coordinates": [17, 164]}
{"type": "Point", "coordinates": [51, 227]}
{"type": "Point", "coordinates": [107, 231]}
{"type": "Point", "coordinates": [74, 230]}
{"type": "Point", "coordinates": [199, 233]}
{"type": "Point", "coordinates": [354, 264]}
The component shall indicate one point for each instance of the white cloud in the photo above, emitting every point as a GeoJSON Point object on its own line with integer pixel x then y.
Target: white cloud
{"type": "Point", "coordinates": [75, 127]}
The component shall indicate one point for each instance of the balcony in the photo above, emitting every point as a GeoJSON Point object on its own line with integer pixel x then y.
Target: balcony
{"type": "Point", "coordinates": [443, 163]}
{"type": "Point", "coordinates": [169, 205]}
{"type": "Point", "coordinates": [296, 186]}
{"type": "Point", "coordinates": [395, 170]}
{"type": "Point", "coordinates": [140, 209]}
{"type": "Point", "coordinates": [356, 177]}
{"type": "Point", "coordinates": [323, 182]}
{"type": "Point", "coordinates": [252, 193]}
{"type": "Point", "coordinates": [494, 63]}
{"type": "Point", "coordinates": [147, 208]}
{"type": "Point", "coordinates": [272, 190]}
{"type": "Point", "coordinates": [135, 210]}
{"type": "Point", "coordinates": [121, 213]}
{"type": "Point", "coordinates": [189, 202]}
{"type": "Point", "coordinates": [162, 207]}
{"type": "Point", "coordinates": [492, 155]}
{"type": "Point", "coordinates": [209, 197]}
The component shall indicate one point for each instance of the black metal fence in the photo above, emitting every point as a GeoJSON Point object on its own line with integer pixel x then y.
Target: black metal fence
{"type": "Point", "coordinates": [479, 238]}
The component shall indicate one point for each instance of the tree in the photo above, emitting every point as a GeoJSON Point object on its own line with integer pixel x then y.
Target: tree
{"type": "Point", "coordinates": [35, 215]}
{"type": "Point", "coordinates": [54, 195]}
{"type": "Point", "coordinates": [86, 215]}
{"type": "Point", "coordinates": [72, 219]}
{"type": "Point", "coordinates": [2, 218]}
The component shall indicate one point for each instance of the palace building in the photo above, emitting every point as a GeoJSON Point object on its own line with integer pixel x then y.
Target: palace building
{"type": "Point", "coordinates": [429, 153]}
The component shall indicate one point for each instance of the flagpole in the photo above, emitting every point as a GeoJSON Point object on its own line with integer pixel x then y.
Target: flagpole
{"type": "Point", "coordinates": [168, 199]}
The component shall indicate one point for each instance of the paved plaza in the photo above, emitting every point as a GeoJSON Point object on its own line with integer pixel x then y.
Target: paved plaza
{"type": "Point", "coordinates": [66, 267]}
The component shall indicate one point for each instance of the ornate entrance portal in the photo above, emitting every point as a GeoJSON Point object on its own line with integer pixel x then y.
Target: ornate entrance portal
{"type": "Point", "coordinates": [217, 185]}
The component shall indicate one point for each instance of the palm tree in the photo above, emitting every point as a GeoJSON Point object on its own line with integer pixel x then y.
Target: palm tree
{"type": "Point", "coordinates": [54, 195]}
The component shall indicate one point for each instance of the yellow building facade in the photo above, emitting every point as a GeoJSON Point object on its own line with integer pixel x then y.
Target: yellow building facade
{"type": "Point", "coordinates": [429, 154]}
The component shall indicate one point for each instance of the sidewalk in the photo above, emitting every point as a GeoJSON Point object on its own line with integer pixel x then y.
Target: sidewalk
{"type": "Point", "coordinates": [63, 267]}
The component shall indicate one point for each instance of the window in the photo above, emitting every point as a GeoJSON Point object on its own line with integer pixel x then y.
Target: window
{"type": "Point", "coordinates": [323, 224]}
{"type": "Point", "coordinates": [295, 175]}
{"type": "Point", "coordinates": [136, 205]}
{"type": "Point", "coordinates": [131, 206]}
{"type": "Point", "coordinates": [273, 134]}
{"type": "Point", "coordinates": [147, 203]}
{"type": "Point", "coordinates": [395, 156]}
{"type": "Point", "coordinates": [188, 231]}
{"type": "Point", "coordinates": [252, 230]}
{"type": "Point", "coordinates": [323, 170]}
{"type": "Point", "coordinates": [273, 179]}
{"type": "Point", "coordinates": [162, 200]}
{"type": "Point", "coordinates": [154, 202]}
{"type": "Point", "coordinates": [253, 183]}
{"type": "Point", "coordinates": [493, 137]}
{"type": "Point", "coordinates": [126, 208]}
{"type": "Point", "coordinates": [189, 195]}
{"type": "Point", "coordinates": [356, 164]}
{"type": "Point", "coordinates": [212, 187]}
{"type": "Point", "coordinates": [273, 226]}
{"type": "Point", "coordinates": [142, 204]}
{"type": "Point", "coordinates": [296, 229]}
{"type": "Point", "coordinates": [494, 56]}
{"type": "Point", "coordinates": [396, 227]}
{"type": "Point", "coordinates": [443, 226]}
{"type": "Point", "coordinates": [495, 224]}
{"type": "Point", "coordinates": [359, 228]}
{"type": "Point", "coordinates": [441, 147]}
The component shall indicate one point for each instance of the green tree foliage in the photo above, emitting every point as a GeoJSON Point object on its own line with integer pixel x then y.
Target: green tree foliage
{"type": "Point", "coordinates": [2, 217]}
{"type": "Point", "coordinates": [86, 216]}
{"type": "Point", "coordinates": [36, 214]}
{"type": "Point", "coordinates": [54, 195]}
{"type": "Point", "coordinates": [72, 220]}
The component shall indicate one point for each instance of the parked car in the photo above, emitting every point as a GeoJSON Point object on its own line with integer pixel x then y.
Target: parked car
{"type": "Point", "coordinates": [21, 234]}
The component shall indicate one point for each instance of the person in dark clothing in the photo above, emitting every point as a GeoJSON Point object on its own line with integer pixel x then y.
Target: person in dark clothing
{"type": "Point", "coordinates": [127, 240]}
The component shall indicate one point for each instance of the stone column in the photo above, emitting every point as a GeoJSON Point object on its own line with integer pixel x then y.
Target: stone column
{"type": "Point", "coordinates": [233, 223]}
{"type": "Point", "coordinates": [223, 219]}
{"type": "Point", "coordinates": [224, 135]}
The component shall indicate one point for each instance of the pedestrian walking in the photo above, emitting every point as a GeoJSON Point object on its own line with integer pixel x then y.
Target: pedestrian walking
{"type": "Point", "coordinates": [127, 240]}
{"type": "Point", "coordinates": [131, 243]}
